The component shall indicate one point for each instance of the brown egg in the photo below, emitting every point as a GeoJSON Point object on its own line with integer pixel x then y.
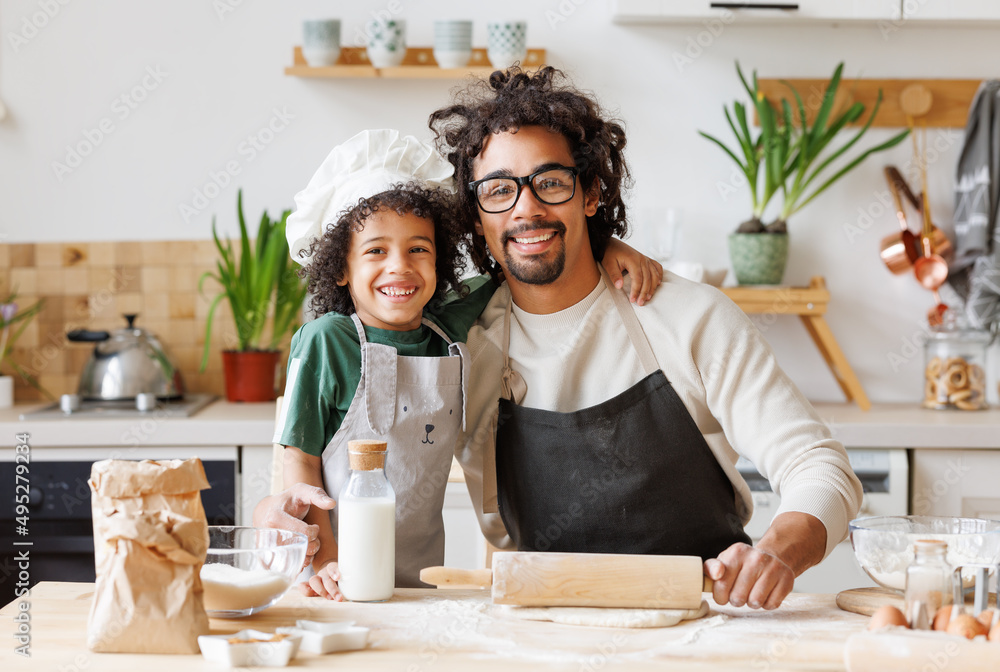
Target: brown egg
{"type": "Point", "coordinates": [985, 617]}
{"type": "Point", "coordinates": [887, 615]}
{"type": "Point", "coordinates": [942, 618]}
{"type": "Point", "coordinates": [967, 626]}
{"type": "Point", "coordinates": [994, 635]}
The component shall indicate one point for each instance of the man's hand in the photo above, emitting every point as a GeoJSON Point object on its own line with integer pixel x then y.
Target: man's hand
{"type": "Point", "coordinates": [746, 575]}
{"type": "Point", "coordinates": [762, 576]}
{"type": "Point", "coordinates": [285, 510]}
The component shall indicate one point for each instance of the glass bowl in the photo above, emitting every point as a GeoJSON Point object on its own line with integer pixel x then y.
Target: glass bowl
{"type": "Point", "coordinates": [883, 545]}
{"type": "Point", "coordinates": [248, 569]}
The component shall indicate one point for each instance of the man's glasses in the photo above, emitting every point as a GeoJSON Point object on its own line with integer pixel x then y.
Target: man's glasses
{"type": "Point", "coordinates": [551, 186]}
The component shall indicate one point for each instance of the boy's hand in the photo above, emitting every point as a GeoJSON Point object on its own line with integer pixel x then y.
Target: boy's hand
{"type": "Point", "coordinates": [646, 273]}
{"type": "Point", "coordinates": [324, 583]}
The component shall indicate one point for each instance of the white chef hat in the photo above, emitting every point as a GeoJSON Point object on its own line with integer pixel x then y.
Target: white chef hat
{"type": "Point", "coordinates": [367, 164]}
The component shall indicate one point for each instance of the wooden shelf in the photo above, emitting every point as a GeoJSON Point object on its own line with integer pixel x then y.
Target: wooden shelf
{"type": "Point", "coordinates": [809, 303]}
{"type": "Point", "coordinates": [418, 63]}
{"type": "Point", "coordinates": [949, 109]}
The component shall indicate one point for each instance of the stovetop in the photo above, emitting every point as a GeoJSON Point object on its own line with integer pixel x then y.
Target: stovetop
{"type": "Point", "coordinates": [105, 410]}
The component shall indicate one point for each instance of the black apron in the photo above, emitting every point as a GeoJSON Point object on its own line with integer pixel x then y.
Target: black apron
{"type": "Point", "coordinates": [630, 475]}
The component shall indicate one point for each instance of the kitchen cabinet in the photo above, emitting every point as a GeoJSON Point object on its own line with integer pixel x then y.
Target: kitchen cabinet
{"type": "Point", "coordinates": [952, 482]}
{"type": "Point", "coordinates": [920, 11]}
{"type": "Point", "coordinates": [759, 11]}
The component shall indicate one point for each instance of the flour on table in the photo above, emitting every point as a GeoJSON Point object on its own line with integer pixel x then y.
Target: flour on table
{"type": "Point", "coordinates": [608, 618]}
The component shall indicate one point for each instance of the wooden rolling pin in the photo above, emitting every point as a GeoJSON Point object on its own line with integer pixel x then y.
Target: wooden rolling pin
{"type": "Point", "coordinates": [584, 580]}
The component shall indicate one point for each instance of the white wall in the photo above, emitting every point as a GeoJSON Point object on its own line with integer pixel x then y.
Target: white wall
{"type": "Point", "coordinates": [222, 80]}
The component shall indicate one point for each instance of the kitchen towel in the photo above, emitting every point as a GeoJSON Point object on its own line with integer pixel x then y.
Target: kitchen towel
{"type": "Point", "coordinates": [975, 271]}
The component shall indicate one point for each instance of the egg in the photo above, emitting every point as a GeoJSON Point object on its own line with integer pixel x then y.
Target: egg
{"type": "Point", "coordinates": [966, 626]}
{"type": "Point", "coordinates": [985, 617]}
{"type": "Point", "coordinates": [942, 618]}
{"type": "Point", "coordinates": [887, 615]}
{"type": "Point", "coordinates": [994, 635]}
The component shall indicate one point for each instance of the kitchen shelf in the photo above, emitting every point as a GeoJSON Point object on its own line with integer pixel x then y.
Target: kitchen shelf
{"type": "Point", "coordinates": [418, 63]}
{"type": "Point", "coordinates": [809, 303]}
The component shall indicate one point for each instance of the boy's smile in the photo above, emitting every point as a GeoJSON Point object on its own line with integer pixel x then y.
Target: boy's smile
{"type": "Point", "coordinates": [391, 271]}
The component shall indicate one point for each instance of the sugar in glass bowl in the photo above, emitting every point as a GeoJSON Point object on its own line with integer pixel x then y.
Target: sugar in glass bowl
{"type": "Point", "coordinates": [883, 545]}
{"type": "Point", "coordinates": [248, 569]}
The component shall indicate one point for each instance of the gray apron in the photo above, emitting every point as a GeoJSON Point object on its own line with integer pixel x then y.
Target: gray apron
{"type": "Point", "coordinates": [416, 405]}
{"type": "Point", "coordinates": [632, 474]}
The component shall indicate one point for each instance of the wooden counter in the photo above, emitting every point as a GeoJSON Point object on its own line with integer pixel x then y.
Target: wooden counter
{"type": "Point", "coordinates": [444, 630]}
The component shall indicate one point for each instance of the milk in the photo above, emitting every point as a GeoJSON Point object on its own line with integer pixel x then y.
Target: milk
{"type": "Point", "coordinates": [366, 542]}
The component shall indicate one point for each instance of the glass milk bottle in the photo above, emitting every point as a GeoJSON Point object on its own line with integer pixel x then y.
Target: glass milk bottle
{"type": "Point", "coordinates": [928, 583]}
{"type": "Point", "coordinates": [366, 526]}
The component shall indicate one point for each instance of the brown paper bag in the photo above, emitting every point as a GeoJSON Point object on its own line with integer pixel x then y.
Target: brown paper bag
{"type": "Point", "coordinates": [150, 541]}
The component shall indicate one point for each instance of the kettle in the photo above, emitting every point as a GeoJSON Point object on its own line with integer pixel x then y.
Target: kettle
{"type": "Point", "coordinates": [126, 363]}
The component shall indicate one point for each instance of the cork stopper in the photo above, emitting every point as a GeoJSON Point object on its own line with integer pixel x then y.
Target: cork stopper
{"type": "Point", "coordinates": [366, 455]}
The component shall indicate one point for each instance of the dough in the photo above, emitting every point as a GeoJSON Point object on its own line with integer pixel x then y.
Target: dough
{"type": "Point", "coordinates": [608, 618]}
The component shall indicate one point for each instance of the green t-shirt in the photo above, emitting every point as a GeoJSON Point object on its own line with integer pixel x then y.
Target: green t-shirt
{"type": "Point", "coordinates": [324, 365]}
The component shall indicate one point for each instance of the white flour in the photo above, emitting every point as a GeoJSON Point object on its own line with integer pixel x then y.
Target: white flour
{"type": "Point", "coordinates": [228, 588]}
{"type": "Point", "coordinates": [888, 566]}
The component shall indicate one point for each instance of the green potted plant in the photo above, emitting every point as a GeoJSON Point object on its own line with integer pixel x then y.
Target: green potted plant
{"type": "Point", "coordinates": [13, 322]}
{"type": "Point", "coordinates": [263, 289]}
{"type": "Point", "coordinates": [793, 160]}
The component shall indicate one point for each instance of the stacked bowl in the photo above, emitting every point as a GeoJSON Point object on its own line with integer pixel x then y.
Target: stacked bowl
{"type": "Point", "coordinates": [452, 43]}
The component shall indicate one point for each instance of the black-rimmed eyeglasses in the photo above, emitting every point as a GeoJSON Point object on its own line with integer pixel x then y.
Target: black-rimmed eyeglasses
{"type": "Point", "coordinates": [551, 186]}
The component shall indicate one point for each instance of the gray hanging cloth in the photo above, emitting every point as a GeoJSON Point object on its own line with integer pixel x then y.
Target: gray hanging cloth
{"type": "Point", "coordinates": [975, 270]}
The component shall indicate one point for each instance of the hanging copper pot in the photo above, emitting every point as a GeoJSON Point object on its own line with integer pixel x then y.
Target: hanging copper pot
{"type": "Point", "coordinates": [900, 250]}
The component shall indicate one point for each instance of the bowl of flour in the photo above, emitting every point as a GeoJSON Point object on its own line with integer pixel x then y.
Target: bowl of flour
{"type": "Point", "coordinates": [247, 569]}
{"type": "Point", "coordinates": [883, 545]}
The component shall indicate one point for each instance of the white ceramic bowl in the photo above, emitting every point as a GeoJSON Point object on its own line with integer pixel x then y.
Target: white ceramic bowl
{"type": "Point", "coordinates": [249, 568]}
{"type": "Point", "coordinates": [883, 545]}
{"type": "Point", "coordinates": [254, 650]}
{"type": "Point", "coordinates": [449, 58]}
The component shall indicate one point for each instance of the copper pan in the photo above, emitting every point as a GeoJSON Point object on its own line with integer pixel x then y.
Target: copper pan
{"type": "Point", "coordinates": [900, 250]}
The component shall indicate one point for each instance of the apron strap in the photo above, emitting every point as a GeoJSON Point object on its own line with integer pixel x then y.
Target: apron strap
{"type": "Point", "coordinates": [378, 375]}
{"type": "Point", "coordinates": [632, 327]}
{"type": "Point", "coordinates": [455, 350]}
{"type": "Point", "coordinates": [512, 385]}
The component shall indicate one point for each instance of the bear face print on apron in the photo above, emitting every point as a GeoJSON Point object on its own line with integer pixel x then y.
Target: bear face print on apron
{"type": "Point", "coordinates": [416, 405]}
{"type": "Point", "coordinates": [630, 475]}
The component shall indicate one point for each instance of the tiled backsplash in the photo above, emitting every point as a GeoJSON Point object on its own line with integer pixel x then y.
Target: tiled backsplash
{"type": "Point", "coordinates": [91, 285]}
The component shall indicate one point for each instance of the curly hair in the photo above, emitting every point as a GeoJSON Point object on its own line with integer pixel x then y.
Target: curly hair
{"type": "Point", "coordinates": [330, 251]}
{"type": "Point", "coordinates": [512, 99]}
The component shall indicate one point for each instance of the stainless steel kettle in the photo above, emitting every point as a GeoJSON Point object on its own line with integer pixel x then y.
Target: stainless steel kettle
{"type": "Point", "coordinates": [126, 363]}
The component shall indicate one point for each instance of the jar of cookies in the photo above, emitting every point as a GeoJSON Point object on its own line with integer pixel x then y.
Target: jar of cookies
{"type": "Point", "coordinates": [955, 368]}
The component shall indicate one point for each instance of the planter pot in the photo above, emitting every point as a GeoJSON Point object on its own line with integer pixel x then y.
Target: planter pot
{"type": "Point", "coordinates": [758, 258]}
{"type": "Point", "coordinates": [6, 391]}
{"type": "Point", "coordinates": [250, 375]}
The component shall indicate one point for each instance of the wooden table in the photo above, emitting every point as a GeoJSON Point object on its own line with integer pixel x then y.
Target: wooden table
{"type": "Point", "coordinates": [444, 630]}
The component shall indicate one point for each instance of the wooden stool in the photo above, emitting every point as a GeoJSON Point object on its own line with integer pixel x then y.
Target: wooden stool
{"type": "Point", "coordinates": [809, 303]}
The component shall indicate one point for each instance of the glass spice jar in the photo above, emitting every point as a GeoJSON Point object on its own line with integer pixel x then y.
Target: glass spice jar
{"type": "Point", "coordinates": [955, 368]}
{"type": "Point", "coordinates": [928, 583]}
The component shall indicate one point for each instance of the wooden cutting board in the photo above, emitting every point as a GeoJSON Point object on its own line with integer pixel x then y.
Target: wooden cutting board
{"type": "Point", "coordinates": [585, 580]}
{"type": "Point", "coordinates": [866, 601]}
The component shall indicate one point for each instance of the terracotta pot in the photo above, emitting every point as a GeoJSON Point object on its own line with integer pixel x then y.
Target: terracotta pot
{"type": "Point", "coordinates": [250, 375]}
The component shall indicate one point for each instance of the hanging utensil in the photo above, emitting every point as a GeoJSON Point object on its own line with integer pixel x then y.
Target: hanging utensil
{"type": "Point", "coordinates": [931, 270]}
{"type": "Point", "coordinates": [899, 250]}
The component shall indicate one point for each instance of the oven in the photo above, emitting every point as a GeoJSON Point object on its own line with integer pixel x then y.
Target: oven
{"type": "Point", "coordinates": [60, 529]}
{"type": "Point", "coordinates": [884, 475]}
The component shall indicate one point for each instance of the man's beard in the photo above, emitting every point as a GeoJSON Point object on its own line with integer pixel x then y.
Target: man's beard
{"type": "Point", "coordinates": [535, 270]}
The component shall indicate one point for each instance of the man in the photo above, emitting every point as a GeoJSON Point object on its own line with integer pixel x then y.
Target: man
{"type": "Point", "coordinates": [618, 430]}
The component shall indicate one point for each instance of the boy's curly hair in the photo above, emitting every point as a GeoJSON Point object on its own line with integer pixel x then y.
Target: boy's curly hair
{"type": "Point", "coordinates": [329, 252]}
{"type": "Point", "coordinates": [512, 99]}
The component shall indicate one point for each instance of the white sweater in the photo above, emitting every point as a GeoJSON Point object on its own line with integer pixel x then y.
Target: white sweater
{"type": "Point", "coordinates": [718, 363]}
